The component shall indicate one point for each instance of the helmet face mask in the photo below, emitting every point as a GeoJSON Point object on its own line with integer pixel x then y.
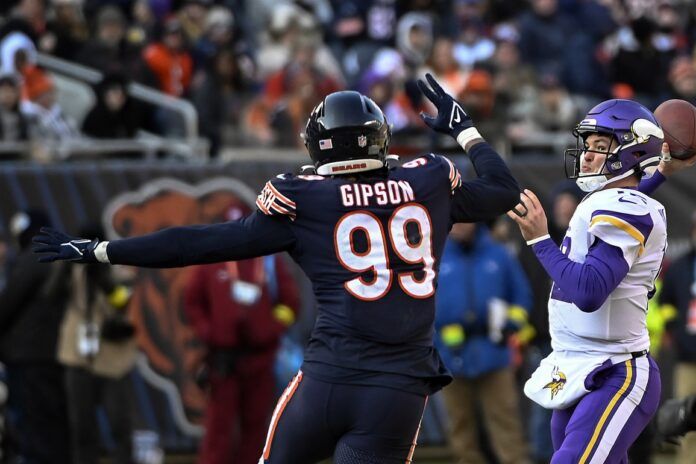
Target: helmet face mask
{"type": "Point", "coordinates": [346, 133]}
{"type": "Point", "coordinates": [637, 143]}
{"type": "Point", "coordinates": [590, 181]}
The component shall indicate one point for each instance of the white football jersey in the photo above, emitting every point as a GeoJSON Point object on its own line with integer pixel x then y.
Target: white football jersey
{"type": "Point", "coordinates": [635, 223]}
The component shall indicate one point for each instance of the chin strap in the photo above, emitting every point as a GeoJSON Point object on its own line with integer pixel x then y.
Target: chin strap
{"type": "Point", "coordinates": [593, 182]}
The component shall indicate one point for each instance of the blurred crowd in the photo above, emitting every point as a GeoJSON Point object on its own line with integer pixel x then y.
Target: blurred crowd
{"type": "Point", "coordinates": [525, 70]}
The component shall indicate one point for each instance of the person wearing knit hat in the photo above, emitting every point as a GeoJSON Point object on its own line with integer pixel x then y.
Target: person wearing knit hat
{"type": "Point", "coordinates": [41, 107]}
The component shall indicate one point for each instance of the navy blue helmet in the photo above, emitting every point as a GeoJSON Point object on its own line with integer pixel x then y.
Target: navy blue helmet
{"type": "Point", "coordinates": [346, 133]}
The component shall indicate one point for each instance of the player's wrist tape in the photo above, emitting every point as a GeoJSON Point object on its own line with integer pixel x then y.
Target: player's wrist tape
{"type": "Point", "coordinates": [467, 136]}
{"type": "Point", "coordinates": [538, 239]}
{"type": "Point", "coordinates": [100, 252]}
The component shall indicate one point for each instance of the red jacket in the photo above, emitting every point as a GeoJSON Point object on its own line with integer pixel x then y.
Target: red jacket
{"type": "Point", "coordinates": [173, 70]}
{"type": "Point", "coordinates": [231, 305]}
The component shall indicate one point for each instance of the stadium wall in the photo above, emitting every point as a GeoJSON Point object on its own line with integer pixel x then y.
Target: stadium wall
{"type": "Point", "coordinates": [132, 198]}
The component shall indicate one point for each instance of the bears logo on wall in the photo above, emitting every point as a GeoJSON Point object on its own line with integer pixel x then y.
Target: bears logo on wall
{"type": "Point", "coordinates": [169, 349]}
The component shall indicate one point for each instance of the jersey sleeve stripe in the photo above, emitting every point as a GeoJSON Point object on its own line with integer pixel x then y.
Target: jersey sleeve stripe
{"type": "Point", "coordinates": [457, 182]}
{"type": "Point", "coordinates": [452, 170]}
{"type": "Point", "coordinates": [261, 206]}
{"type": "Point", "coordinates": [642, 222]}
{"type": "Point", "coordinates": [282, 210]}
{"type": "Point", "coordinates": [623, 225]}
{"type": "Point", "coordinates": [454, 177]}
{"type": "Point", "coordinates": [280, 196]}
{"type": "Point", "coordinates": [270, 203]}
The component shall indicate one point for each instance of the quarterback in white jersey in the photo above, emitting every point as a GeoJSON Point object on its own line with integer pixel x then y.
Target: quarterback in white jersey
{"type": "Point", "coordinates": [636, 225]}
{"type": "Point", "coordinates": [600, 380]}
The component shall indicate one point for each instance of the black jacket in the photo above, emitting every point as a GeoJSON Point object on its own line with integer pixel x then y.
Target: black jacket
{"type": "Point", "coordinates": [31, 310]}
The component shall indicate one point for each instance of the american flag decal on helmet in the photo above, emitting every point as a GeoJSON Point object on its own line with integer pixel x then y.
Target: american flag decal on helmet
{"type": "Point", "coordinates": [325, 144]}
{"type": "Point", "coordinates": [272, 203]}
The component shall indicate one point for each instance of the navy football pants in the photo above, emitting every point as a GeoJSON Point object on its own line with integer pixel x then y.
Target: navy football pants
{"type": "Point", "coordinates": [315, 420]}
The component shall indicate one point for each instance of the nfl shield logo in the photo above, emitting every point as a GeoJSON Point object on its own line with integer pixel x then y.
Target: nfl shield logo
{"type": "Point", "coordinates": [362, 141]}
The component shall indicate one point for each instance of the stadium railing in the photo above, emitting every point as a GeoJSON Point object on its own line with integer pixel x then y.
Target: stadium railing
{"type": "Point", "coordinates": [183, 108]}
{"type": "Point", "coordinates": [148, 148]}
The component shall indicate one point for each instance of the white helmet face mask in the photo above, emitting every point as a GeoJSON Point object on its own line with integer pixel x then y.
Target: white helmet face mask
{"type": "Point", "coordinates": [590, 181]}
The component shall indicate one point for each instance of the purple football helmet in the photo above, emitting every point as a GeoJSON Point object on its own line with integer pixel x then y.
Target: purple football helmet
{"type": "Point", "coordinates": [634, 129]}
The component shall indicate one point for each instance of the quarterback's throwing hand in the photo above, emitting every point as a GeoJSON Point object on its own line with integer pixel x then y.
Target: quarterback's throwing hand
{"type": "Point", "coordinates": [533, 224]}
{"type": "Point", "coordinates": [670, 165]}
{"type": "Point", "coordinates": [451, 118]}
{"type": "Point", "coordinates": [53, 245]}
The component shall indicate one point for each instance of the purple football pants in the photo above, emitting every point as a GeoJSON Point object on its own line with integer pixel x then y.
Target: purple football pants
{"type": "Point", "coordinates": [604, 423]}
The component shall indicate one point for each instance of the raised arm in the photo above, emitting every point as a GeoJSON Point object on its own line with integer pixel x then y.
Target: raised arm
{"type": "Point", "coordinates": [492, 193]}
{"type": "Point", "coordinates": [255, 235]}
{"type": "Point", "coordinates": [495, 191]}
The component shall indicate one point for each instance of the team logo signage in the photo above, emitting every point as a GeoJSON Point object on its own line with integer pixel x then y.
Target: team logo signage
{"type": "Point", "coordinates": [169, 348]}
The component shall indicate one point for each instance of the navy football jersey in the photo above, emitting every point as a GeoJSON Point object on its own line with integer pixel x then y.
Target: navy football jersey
{"type": "Point", "coordinates": [371, 247]}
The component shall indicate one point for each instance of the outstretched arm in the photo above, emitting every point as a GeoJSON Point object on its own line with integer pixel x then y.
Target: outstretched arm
{"type": "Point", "coordinates": [495, 191]}
{"type": "Point", "coordinates": [255, 235]}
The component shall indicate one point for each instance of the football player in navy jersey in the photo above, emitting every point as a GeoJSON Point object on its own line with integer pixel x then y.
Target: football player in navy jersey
{"type": "Point", "coordinates": [370, 238]}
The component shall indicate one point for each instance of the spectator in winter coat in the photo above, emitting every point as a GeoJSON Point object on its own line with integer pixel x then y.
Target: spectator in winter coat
{"type": "Point", "coordinates": [169, 61]}
{"type": "Point", "coordinates": [33, 303]}
{"type": "Point", "coordinates": [475, 315]}
{"type": "Point", "coordinates": [115, 115]}
{"type": "Point", "coordinates": [239, 310]}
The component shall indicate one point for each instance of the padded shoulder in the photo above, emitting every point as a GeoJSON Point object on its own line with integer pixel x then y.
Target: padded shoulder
{"type": "Point", "coordinates": [437, 164]}
{"type": "Point", "coordinates": [276, 197]}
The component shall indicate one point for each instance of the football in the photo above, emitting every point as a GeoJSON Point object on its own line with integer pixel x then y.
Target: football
{"type": "Point", "coordinates": [678, 121]}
